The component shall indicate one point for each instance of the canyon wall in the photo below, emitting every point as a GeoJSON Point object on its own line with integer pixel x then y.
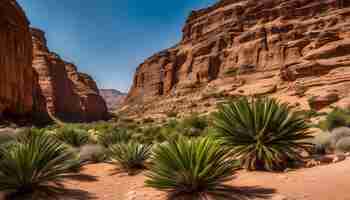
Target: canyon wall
{"type": "Point", "coordinates": [114, 98]}
{"type": "Point", "coordinates": [17, 78]}
{"type": "Point", "coordinates": [36, 84]}
{"type": "Point", "coordinates": [69, 94]}
{"type": "Point", "coordinates": [294, 50]}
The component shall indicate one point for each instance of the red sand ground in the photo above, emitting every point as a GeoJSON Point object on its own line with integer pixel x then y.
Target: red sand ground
{"type": "Point", "coordinates": [329, 182]}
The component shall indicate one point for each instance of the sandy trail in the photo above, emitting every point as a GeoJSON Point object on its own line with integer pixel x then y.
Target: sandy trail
{"type": "Point", "coordinates": [329, 182]}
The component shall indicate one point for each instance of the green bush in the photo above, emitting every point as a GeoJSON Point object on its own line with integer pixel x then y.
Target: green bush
{"type": "Point", "coordinates": [338, 117]}
{"type": "Point", "coordinates": [149, 135]}
{"type": "Point", "coordinates": [190, 168]}
{"type": "Point", "coordinates": [112, 137]}
{"type": "Point", "coordinates": [130, 156]}
{"type": "Point", "coordinates": [309, 114]}
{"type": "Point", "coordinates": [35, 167]}
{"type": "Point", "coordinates": [263, 133]}
{"type": "Point", "coordinates": [73, 136]}
{"type": "Point", "coordinates": [195, 121]}
{"type": "Point", "coordinates": [322, 143]}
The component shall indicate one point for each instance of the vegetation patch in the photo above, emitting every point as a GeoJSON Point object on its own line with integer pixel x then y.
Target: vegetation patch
{"type": "Point", "coordinates": [191, 169]}
{"type": "Point", "coordinates": [338, 117]}
{"type": "Point", "coordinates": [130, 156]}
{"type": "Point", "coordinates": [34, 167]}
{"type": "Point", "coordinates": [262, 133]}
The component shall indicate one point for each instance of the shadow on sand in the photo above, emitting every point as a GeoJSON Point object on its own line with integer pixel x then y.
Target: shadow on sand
{"type": "Point", "coordinates": [227, 193]}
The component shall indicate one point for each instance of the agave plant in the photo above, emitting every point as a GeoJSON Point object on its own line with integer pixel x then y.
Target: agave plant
{"type": "Point", "coordinates": [34, 167]}
{"type": "Point", "coordinates": [263, 133]}
{"type": "Point", "coordinates": [191, 168]}
{"type": "Point", "coordinates": [73, 136]}
{"type": "Point", "coordinates": [130, 156]}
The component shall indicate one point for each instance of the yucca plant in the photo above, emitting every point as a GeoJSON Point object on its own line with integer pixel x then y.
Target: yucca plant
{"type": "Point", "coordinates": [263, 133]}
{"type": "Point", "coordinates": [73, 136]}
{"type": "Point", "coordinates": [130, 156]}
{"type": "Point", "coordinates": [34, 167]}
{"type": "Point", "coordinates": [191, 168]}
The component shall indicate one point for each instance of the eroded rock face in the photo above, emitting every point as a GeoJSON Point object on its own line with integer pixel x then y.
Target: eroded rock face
{"type": "Point", "coordinates": [69, 94]}
{"type": "Point", "coordinates": [17, 78]}
{"type": "Point", "coordinates": [249, 47]}
{"type": "Point", "coordinates": [114, 98]}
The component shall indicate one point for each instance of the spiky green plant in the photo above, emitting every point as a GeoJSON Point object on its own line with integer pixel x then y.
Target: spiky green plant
{"type": "Point", "coordinates": [73, 136]}
{"type": "Point", "coordinates": [263, 133]}
{"type": "Point", "coordinates": [130, 156]}
{"type": "Point", "coordinates": [112, 137]}
{"type": "Point", "coordinates": [192, 168]}
{"type": "Point", "coordinates": [34, 167]}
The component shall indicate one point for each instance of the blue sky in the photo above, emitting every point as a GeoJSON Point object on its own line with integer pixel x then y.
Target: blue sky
{"type": "Point", "coordinates": [109, 38]}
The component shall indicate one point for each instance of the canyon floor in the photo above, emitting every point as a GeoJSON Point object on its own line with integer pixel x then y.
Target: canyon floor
{"type": "Point", "coordinates": [327, 182]}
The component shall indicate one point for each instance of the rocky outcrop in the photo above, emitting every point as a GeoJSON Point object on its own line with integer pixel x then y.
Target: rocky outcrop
{"type": "Point", "coordinates": [114, 98]}
{"type": "Point", "coordinates": [248, 47]}
{"type": "Point", "coordinates": [17, 78]}
{"type": "Point", "coordinates": [36, 83]}
{"type": "Point", "coordinates": [69, 94]}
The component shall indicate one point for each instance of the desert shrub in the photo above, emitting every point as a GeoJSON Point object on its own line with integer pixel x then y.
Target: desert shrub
{"type": "Point", "coordinates": [191, 168]}
{"type": "Point", "coordinates": [338, 117]}
{"type": "Point", "coordinates": [149, 135]}
{"type": "Point", "coordinates": [102, 127]}
{"type": "Point", "coordinates": [92, 153]}
{"type": "Point", "coordinates": [6, 137]}
{"type": "Point", "coordinates": [73, 136]}
{"type": "Point", "coordinates": [231, 72]}
{"type": "Point", "coordinates": [338, 134]}
{"type": "Point", "coordinates": [335, 141]}
{"type": "Point", "coordinates": [112, 137]}
{"type": "Point", "coordinates": [343, 145]}
{"type": "Point", "coordinates": [263, 133]}
{"type": "Point", "coordinates": [35, 167]}
{"type": "Point", "coordinates": [322, 143]}
{"type": "Point", "coordinates": [195, 121]}
{"type": "Point", "coordinates": [308, 114]}
{"type": "Point", "coordinates": [191, 126]}
{"type": "Point", "coordinates": [130, 156]}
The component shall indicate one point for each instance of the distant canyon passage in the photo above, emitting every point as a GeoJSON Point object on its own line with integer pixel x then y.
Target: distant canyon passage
{"type": "Point", "coordinates": [294, 50]}
{"type": "Point", "coordinates": [36, 83]}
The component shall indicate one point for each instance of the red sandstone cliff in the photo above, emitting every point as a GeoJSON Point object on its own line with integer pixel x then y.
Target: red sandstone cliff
{"type": "Point", "coordinates": [295, 50]}
{"type": "Point", "coordinates": [69, 94]}
{"type": "Point", "coordinates": [113, 98]}
{"type": "Point", "coordinates": [17, 83]}
{"type": "Point", "coordinates": [36, 83]}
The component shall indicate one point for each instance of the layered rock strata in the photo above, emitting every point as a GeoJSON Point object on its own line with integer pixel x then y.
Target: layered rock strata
{"type": "Point", "coordinates": [114, 98]}
{"type": "Point", "coordinates": [295, 50]}
{"type": "Point", "coordinates": [17, 78]}
{"type": "Point", "coordinates": [69, 94]}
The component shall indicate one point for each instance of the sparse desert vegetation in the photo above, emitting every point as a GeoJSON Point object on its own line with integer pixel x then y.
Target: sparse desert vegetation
{"type": "Point", "coordinates": [192, 157]}
{"type": "Point", "coordinates": [251, 102]}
